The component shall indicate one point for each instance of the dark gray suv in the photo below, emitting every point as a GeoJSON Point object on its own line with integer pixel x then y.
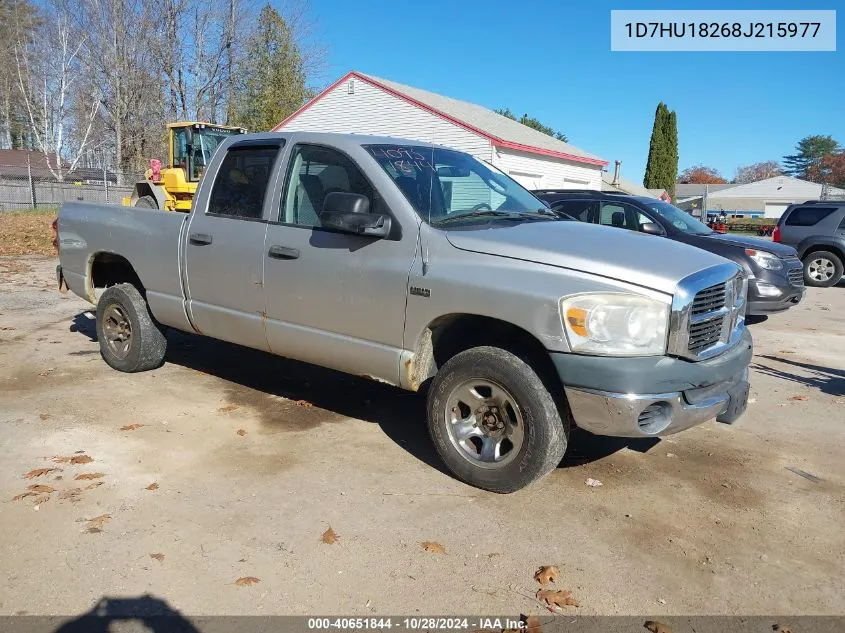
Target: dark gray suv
{"type": "Point", "coordinates": [816, 229]}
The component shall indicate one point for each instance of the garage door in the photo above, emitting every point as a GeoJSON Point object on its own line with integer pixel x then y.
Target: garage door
{"type": "Point", "coordinates": [774, 209]}
{"type": "Point", "coordinates": [527, 180]}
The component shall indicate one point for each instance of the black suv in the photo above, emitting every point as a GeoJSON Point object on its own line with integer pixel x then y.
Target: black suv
{"type": "Point", "coordinates": [816, 229]}
{"type": "Point", "coordinates": [776, 280]}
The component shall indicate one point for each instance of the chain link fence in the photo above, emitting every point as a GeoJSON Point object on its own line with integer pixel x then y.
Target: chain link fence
{"type": "Point", "coordinates": [25, 186]}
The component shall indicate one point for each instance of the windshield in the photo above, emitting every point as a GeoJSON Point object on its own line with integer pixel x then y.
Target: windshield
{"type": "Point", "coordinates": [681, 220]}
{"type": "Point", "coordinates": [205, 141]}
{"type": "Point", "coordinates": [445, 186]}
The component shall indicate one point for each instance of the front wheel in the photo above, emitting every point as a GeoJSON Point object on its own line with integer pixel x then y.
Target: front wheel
{"type": "Point", "coordinates": [130, 339]}
{"type": "Point", "coordinates": [493, 421]}
{"type": "Point", "coordinates": [822, 269]}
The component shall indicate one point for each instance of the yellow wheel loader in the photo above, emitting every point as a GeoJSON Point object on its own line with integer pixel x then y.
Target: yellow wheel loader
{"type": "Point", "coordinates": [190, 147]}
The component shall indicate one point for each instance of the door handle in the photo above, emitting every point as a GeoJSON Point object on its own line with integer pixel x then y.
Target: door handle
{"type": "Point", "coordinates": [283, 252]}
{"type": "Point", "coordinates": [200, 239]}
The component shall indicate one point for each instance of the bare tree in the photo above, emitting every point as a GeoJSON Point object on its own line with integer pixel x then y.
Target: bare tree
{"type": "Point", "coordinates": [758, 171]}
{"type": "Point", "coordinates": [48, 72]}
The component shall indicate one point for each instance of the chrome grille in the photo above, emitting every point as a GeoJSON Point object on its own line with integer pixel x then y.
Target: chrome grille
{"type": "Point", "coordinates": [709, 299]}
{"type": "Point", "coordinates": [707, 312]}
{"type": "Point", "coordinates": [705, 333]}
{"type": "Point", "coordinates": [796, 276]}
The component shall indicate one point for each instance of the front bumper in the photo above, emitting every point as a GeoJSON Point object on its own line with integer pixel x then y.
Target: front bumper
{"type": "Point", "coordinates": [773, 291]}
{"type": "Point", "coordinates": [653, 396]}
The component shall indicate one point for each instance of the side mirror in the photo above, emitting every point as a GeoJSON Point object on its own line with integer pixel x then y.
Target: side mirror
{"type": "Point", "coordinates": [652, 228]}
{"type": "Point", "coordinates": [350, 213]}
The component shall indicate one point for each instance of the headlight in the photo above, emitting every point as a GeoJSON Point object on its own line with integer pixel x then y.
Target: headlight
{"type": "Point", "coordinates": [615, 324]}
{"type": "Point", "coordinates": [764, 259]}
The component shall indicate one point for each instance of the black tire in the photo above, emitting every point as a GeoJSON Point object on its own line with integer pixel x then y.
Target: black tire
{"type": "Point", "coordinates": [146, 202]}
{"type": "Point", "coordinates": [545, 424]}
{"type": "Point", "coordinates": [810, 261]}
{"type": "Point", "coordinates": [145, 346]}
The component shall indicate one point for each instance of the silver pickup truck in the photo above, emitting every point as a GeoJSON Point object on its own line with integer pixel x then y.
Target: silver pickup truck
{"type": "Point", "coordinates": [423, 267]}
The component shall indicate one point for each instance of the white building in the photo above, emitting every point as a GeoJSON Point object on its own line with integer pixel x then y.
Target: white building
{"type": "Point", "coordinates": [764, 198]}
{"type": "Point", "coordinates": [360, 104]}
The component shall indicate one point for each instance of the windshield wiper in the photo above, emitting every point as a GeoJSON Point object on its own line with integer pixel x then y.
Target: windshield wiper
{"type": "Point", "coordinates": [478, 213]}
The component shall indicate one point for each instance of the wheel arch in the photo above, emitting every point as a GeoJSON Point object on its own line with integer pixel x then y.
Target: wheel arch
{"type": "Point", "coordinates": [450, 334]}
{"type": "Point", "coordinates": [109, 269]}
{"type": "Point", "coordinates": [148, 188]}
{"type": "Point", "coordinates": [812, 245]}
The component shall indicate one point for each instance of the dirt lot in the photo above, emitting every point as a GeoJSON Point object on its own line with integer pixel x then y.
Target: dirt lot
{"type": "Point", "coordinates": [254, 457]}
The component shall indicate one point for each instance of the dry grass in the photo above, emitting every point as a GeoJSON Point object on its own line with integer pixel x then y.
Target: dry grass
{"type": "Point", "coordinates": [26, 232]}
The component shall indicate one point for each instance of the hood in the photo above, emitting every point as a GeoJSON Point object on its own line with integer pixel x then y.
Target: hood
{"type": "Point", "coordinates": [646, 260]}
{"type": "Point", "coordinates": [781, 250]}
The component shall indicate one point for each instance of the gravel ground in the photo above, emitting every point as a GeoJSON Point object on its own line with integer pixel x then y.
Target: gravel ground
{"type": "Point", "coordinates": [242, 461]}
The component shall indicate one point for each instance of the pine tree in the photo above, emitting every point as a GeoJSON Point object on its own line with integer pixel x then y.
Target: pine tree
{"type": "Point", "coordinates": [662, 166]}
{"type": "Point", "coordinates": [671, 133]}
{"type": "Point", "coordinates": [809, 152]}
{"type": "Point", "coordinates": [271, 76]}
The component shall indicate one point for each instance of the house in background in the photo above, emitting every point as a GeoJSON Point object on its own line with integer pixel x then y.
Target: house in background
{"type": "Point", "coordinates": [361, 104]}
{"type": "Point", "coordinates": [765, 198]}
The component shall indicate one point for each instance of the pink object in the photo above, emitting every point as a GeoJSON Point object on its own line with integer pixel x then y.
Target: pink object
{"type": "Point", "coordinates": [155, 166]}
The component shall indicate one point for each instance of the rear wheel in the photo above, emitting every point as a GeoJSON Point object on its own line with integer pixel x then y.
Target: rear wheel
{"type": "Point", "coordinates": [493, 422]}
{"type": "Point", "coordinates": [822, 269]}
{"type": "Point", "coordinates": [146, 202]}
{"type": "Point", "coordinates": [130, 339]}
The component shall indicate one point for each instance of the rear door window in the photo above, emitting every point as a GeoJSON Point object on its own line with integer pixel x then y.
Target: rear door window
{"type": "Point", "coordinates": [620, 215]}
{"type": "Point", "coordinates": [241, 183]}
{"type": "Point", "coordinates": [583, 210]}
{"type": "Point", "coordinates": [808, 216]}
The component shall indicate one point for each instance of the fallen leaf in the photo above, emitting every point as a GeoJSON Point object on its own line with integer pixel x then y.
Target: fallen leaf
{"type": "Point", "coordinates": [303, 403]}
{"type": "Point", "coordinates": [7, 328]}
{"type": "Point", "coordinates": [433, 546]}
{"type": "Point", "coordinates": [158, 557]}
{"type": "Point", "coordinates": [23, 495]}
{"type": "Point", "coordinates": [93, 530]}
{"type": "Point", "coordinates": [656, 627]}
{"type": "Point", "coordinates": [246, 581]}
{"type": "Point", "coordinates": [241, 432]}
{"type": "Point", "coordinates": [42, 499]}
{"type": "Point", "coordinates": [545, 575]}
{"type": "Point", "coordinates": [593, 483]}
{"type": "Point", "coordinates": [781, 629]}
{"type": "Point", "coordinates": [96, 484]}
{"type": "Point", "coordinates": [786, 351]}
{"type": "Point", "coordinates": [44, 416]}
{"type": "Point", "coordinates": [559, 598]}
{"type": "Point", "coordinates": [41, 488]}
{"type": "Point", "coordinates": [38, 472]}
{"type": "Point", "coordinates": [99, 521]}
{"type": "Point", "coordinates": [152, 486]}
{"type": "Point", "coordinates": [89, 476]}
{"type": "Point", "coordinates": [329, 536]}
{"type": "Point", "coordinates": [71, 494]}
{"type": "Point", "coordinates": [530, 623]}
{"type": "Point", "coordinates": [227, 408]}
{"type": "Point", "coordinates": [131, 427]}
{"type": "Point", "coordinates": [799, 398]}
{"type": "Point", "coordinates": [73, 459]}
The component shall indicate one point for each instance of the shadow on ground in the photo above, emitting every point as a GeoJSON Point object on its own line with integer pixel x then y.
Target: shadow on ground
{"type": "Point", "coordinates": [258, 380]}
{"type": "Point", "coordinates": [826, 379]}
{"type": "Point", "coordinates": [151, 614]}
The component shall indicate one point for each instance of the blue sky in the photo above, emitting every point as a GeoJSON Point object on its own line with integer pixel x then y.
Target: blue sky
{"type": "Point", "coordinates": [553, 60]}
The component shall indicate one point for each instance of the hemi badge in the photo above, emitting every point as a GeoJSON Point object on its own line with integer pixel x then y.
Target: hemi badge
{"type": "Point", "coordinates": [420, 292]}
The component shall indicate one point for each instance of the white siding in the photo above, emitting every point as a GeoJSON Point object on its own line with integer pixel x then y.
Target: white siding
{"type": "Point", "coordinates": [371, 110]}
{"type": "Point", "coordinates": [541, 172]}
{"type": "Point", "coordinates": [780, 188]}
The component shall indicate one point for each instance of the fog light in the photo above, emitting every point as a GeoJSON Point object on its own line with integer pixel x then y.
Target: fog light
{"type": "Point", "coordinates": [654, 418]}
{"type": "Point", "coordinates": [765, 289]}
